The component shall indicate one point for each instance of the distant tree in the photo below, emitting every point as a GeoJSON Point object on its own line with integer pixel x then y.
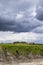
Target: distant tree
{"type": "Point", "coordinates": [32, 43]}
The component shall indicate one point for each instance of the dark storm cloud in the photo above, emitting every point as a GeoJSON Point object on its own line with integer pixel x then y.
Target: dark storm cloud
{"type": "Point", "coordinates": [40, 17]}
{"type": "Point", "coordinates": [19, 15]}
{"type": "Point", "coordinates": [24, 26]}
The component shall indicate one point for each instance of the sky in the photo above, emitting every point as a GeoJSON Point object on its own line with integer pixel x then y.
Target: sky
{"type": "Point", "coordinates": [21, 20]}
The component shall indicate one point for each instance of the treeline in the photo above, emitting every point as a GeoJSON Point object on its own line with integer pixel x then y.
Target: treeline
{"type": "Point", "coordinates": [27, 43]}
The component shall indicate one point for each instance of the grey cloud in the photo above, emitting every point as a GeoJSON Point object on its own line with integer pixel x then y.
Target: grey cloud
{"type": "Point", "coordinates": [24, 26]}
{"type": "Point", "coordinates": [10, 8]}
{"type": "Point", "coordinates": [39, 10]}
{"type": "Point", "coordinates": [38, 29]}
{"type": "Point", "coordinates": [39, 15]}
{"type": "Point", "coordinates": [41, 3]}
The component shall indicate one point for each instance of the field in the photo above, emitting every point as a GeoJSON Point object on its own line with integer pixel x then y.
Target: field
{"type": "Point", "coordinates": [23, 49]}
{"type": "Point", "coordinates": [28, 54]}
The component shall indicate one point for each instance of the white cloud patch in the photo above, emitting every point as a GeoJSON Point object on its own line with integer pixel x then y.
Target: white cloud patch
{"type": "Point", "coordinates": [19, 16]}
{"type": "Point", "coordinates": [27, 37]}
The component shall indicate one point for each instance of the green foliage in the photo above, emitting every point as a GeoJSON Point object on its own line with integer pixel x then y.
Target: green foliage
{"type": "Point", "coordinates": [23, 49]}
